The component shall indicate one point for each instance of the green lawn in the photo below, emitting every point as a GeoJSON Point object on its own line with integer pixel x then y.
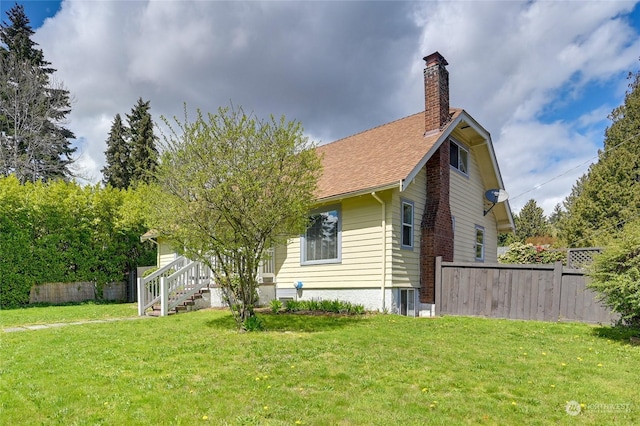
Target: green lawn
{"type": "Point", "coordinates": [314, 370]}
{"type": "Point", "coordinates": [33, 315]}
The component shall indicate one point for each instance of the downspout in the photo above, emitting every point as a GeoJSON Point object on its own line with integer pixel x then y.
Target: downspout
{"type": "Point", "coordinates": [383, 280]}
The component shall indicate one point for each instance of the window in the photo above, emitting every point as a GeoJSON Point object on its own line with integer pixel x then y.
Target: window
{"type": "Point", "coordinates": [479, 243]}
{"type": "Point", "coordinates": [321, 242]}
{"type": "Point", "coordinates": [407, 302]}
{"type": "Point", "coordinates": [407, 224]}
{"type": "Point", "coordinates": [459, 157]}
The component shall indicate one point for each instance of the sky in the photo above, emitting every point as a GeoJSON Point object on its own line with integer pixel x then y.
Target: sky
{"type": "Point", "coordinates": [540, 76]}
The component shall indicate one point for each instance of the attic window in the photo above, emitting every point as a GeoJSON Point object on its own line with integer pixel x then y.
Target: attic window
{"type": "Point", "coordinates": [459, 157]}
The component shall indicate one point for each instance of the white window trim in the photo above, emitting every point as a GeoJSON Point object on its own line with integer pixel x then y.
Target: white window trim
{"type": "Point", "coordinates": [475, 243]}
{"type": "Point", "coordinates": [460, 148]}
{"type": "Point", "coordinates": [411, 301]}
{"type": "Point", "coordinates": [303, 238]}
{"type": "Point", "coordinates": [402, 223]}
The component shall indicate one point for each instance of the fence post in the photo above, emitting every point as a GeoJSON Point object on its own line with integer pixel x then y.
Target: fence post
{"type": "Point", "coordinates": [438, 285]}
{"type": "Point", "coordinates": [140, 298]}
{"type": "Point", "coordinates": [164, 297]}
{"type": "Point", "coordinates": [557, 291]}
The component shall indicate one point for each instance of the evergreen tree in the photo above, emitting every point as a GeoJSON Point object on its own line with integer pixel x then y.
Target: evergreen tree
{"type": "Point", "coordinates": [531, 222]}
{"type": "Point", "coordinates": [556, 216]}
{"type": "Point", "coordinates": [144, 154]}
{"type": "Point", "coordinates": [33, 143]}
{"type": "Point", "coordinates": [608, 196]}
{"type": "Point", "coordinates": [117, 172]}
{"type": "Point", "coordinates": [17, 39]}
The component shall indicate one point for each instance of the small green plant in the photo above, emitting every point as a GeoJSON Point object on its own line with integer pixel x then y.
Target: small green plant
{"type": "Point", "coordinates": [275, 306]}
{"type": "Point", "coordinates": [253, 323]}
{"type": "Point", "coordinates": [292, 306]}
{"type": "Point", "coordinates": [311, 305]}
{"type": "Point", "coordinates": [357, 309]}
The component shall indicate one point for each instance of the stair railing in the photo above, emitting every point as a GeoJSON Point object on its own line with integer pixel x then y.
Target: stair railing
{"type": "Point", "coordinates": [149, 287]}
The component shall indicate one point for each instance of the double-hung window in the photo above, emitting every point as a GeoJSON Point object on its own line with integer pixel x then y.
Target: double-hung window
{"type": "Point", "coordinates": [321, 243]}
{"type": "Point", "coordinates": [458, 157]}
{"type": "Point", "coordinates": [479, 245]}
{"type": "Point", "coordinates": [407, 224]}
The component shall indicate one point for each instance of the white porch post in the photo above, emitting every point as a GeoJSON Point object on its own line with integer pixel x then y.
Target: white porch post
{"type": "Point", "coordinates": [164, 297]}
{"type": "Point", "coordinates": [140, 297]}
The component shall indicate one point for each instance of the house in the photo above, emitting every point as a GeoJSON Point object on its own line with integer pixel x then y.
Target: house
{"type": "Point", "coordinates": [390, 200]}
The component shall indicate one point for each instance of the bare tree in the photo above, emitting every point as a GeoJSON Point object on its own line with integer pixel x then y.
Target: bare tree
{"type": "Point", "coordinates": [33, 144]}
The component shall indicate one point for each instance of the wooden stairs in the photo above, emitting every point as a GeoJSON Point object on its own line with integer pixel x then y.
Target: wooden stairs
{"type": "Point", "coordinates": [187, 305]}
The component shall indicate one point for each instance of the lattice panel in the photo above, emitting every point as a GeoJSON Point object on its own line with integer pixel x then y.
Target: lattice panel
{"type": "Point", "coordinates": [581, 257]}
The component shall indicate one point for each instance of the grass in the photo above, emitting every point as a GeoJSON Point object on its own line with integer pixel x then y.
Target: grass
{"type": "Point", "coordinates": [46, 314]}
{"type": "Point", "coordinates": [318, 370]}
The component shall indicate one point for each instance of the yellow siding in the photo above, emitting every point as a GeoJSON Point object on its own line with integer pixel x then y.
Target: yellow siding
{"type": "Point", "coordinates": [467, 207]}
{"type": "Point", "coordinates": [406, 263]}
{"type": "Point", "coordinates": [166, 254]}
{"type": "Point", "coordinates": [361, 264]}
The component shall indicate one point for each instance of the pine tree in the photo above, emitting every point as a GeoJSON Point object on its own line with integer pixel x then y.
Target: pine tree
{"type": "Point", "coordinates": [117, 172]}
{"type": "Point", "coordinates": [17, 38]}
{"type": "Point", "coordinates": [531, 222]}
{"type": "Point", "coordinates": [608, 196]}
{"type": "Point", "coordinates": [33, 143]}
{"type": "Point", "coordinates": [144, 154]}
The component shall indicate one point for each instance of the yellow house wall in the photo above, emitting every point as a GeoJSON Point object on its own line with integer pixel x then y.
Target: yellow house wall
{"type": "Point", "coordinates": [406, 263]}
{"type": "Point", "coordinates": [467, 207]}
{"type": "Point", "coordinates": [166, 254]}
{"type": "Point", "coordinates": [361, 264]}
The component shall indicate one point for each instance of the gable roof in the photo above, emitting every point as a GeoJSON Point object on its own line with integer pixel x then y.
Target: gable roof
{"type": "Point", "coordinates": [391, 155]}
{"type": "Point", "coordinates": [378, 158]}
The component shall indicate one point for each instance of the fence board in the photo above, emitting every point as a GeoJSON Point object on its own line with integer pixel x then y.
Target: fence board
{"type": "Point", "coordinates": [529, 292]}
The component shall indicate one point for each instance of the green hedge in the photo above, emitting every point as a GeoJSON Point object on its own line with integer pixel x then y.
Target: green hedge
{"type": "Point", "coordinates": [64, 232]}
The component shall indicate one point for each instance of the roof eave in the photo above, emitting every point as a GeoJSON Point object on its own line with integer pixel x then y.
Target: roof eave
{"type": "Point", "coordinates": [443, 137]}
{"type": "Point", "coordinates": [359, 192]}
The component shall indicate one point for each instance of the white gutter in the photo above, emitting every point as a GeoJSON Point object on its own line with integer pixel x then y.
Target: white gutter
{"type": "Point", "coordinates": [358, 193]}
{"type": "Point", "coordinates": [383, 280]}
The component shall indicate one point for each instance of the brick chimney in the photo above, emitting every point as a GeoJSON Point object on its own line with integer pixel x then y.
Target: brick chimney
{"type": "Point", "coordinates": [436, 93]}
{"type": "Point", "coordinates": [436, 226]}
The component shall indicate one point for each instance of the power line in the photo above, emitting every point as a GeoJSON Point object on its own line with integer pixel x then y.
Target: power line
{"type": "Point", "coordinates": [575, 167]}
{"type": "Point", "coordinates": [608, 228]}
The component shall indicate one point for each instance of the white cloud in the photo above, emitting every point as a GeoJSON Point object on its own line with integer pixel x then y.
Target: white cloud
{"type": "Point", "coordinates": [343, 67]}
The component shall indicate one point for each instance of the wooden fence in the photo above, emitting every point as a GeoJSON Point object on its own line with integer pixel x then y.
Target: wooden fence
{"type": "Point", "coordinates": [527, 292]}
{"type": "Point", "coordinates": [76, 292]}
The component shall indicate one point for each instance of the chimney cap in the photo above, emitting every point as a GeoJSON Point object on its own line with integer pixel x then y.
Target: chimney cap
{"type": "Point", "coordinates": [435, 59]}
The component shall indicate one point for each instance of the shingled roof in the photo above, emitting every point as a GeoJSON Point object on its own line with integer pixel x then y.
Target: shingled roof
{"type": "Point", "coordinates": [377, 158]}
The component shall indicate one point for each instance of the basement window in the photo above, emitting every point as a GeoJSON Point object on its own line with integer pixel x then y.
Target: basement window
{"type": "Point", "coordinates": [458, 157]}
{"type": "Point", "coordinates": [407, 302]}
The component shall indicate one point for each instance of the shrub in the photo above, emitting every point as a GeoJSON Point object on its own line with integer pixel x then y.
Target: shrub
{"type": "Point", "coordinates": [330, 306]}
{"type": "Point", "coordinates": [63, 232]}
{"type": "Point", "coordinates": [275, 305]}
{"type": "Point", "coordinates": [615, 275]}
{"type": "Point", "coordinates": [528, 253]}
